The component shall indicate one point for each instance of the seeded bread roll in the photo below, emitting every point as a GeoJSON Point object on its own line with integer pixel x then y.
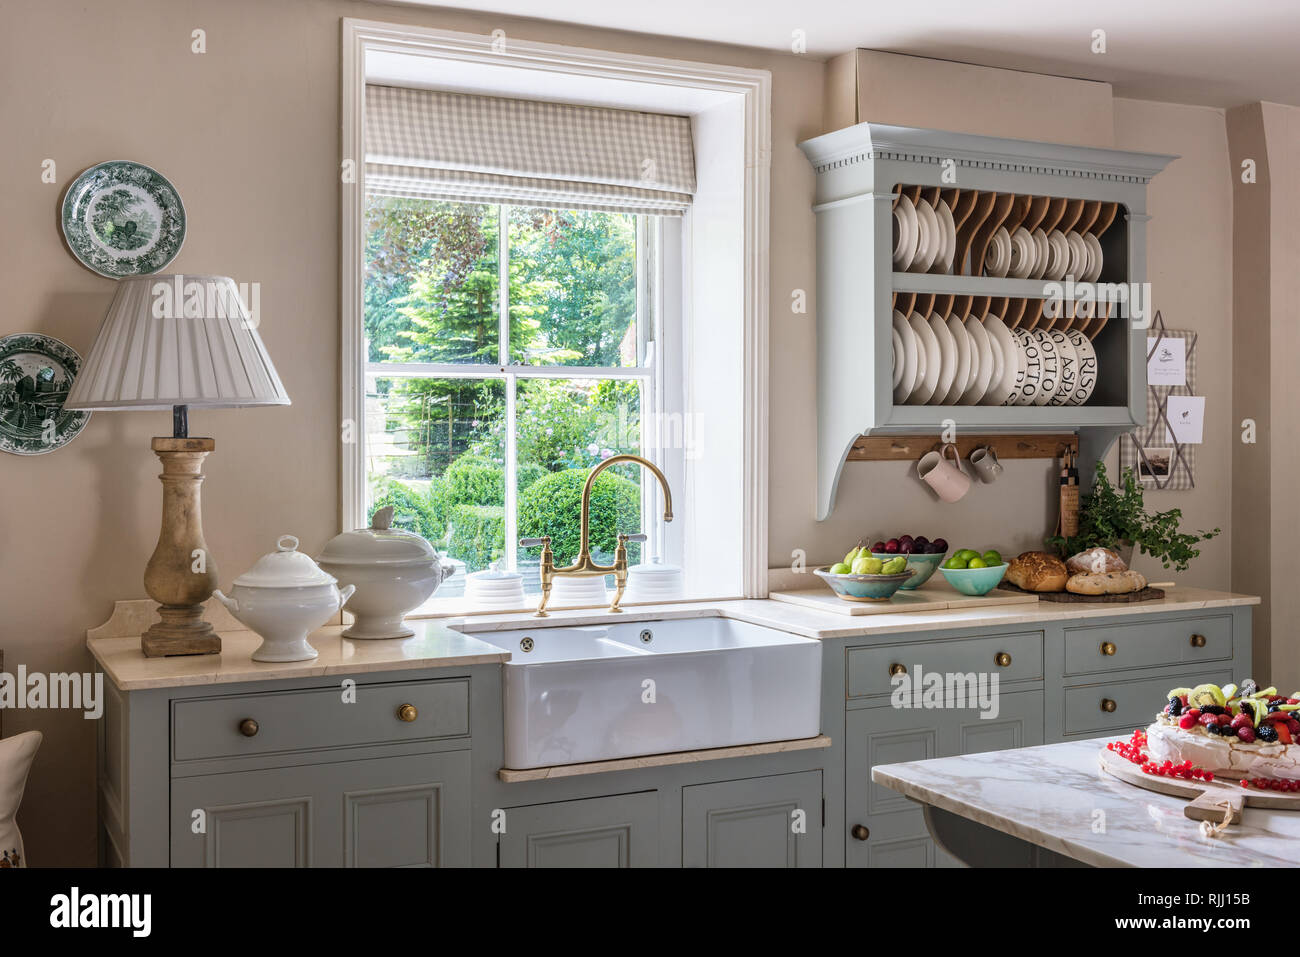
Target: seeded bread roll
{"type": "Point", "coordinates": [1110, 583]}
{"type": "Point", "coordinates": [1037, 571]}
{"type": "Point", "coordinates": [1095, 561]}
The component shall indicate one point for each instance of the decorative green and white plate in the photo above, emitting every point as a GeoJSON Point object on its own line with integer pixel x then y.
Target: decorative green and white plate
{"type": "Point", "coordinates": [123, 219]}
{"type": "Point", "coordinates": [36, 373]}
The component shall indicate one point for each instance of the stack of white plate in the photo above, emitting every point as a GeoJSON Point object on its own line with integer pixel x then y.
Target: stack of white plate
{"type": "Point", "coordinates": [925, 236]}
{"type": "Point", "coordinates": [568, 590]}
{"type": "Point", "coordinates": [1042, 255]}
{"type": "Point", "coordinates": [654, 582]}
{"type": "Point", "coordinates": [495, 587]}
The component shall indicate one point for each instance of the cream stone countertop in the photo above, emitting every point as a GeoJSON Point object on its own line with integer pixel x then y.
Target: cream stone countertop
{"type": "Point", "coordinates": [447, 642]}
{"type": "Point", "coordinates": [1050, 795]}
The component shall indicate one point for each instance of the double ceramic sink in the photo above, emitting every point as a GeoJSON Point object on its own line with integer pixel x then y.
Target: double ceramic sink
{"type": "Point", "coordinates": [592, 693]}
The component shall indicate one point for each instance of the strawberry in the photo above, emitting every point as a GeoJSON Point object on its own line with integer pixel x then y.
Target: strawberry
{"type": "Point", "coordinates": [1283, 733]}
{"type": "Point", "coordinates": [1223, 719]}
{"type": "Point", "coordinates": [1186, 721]}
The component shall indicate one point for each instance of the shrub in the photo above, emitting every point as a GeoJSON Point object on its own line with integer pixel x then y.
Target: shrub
{"type": "Point", "coordinates": [529, 473]}
{"type": "Point", "coordinates": [552, 506]}
{"type": "Point", "coordinates": [413, 510]}
{"type": "Point", "coordinates": [473, 480]}
{"type": "Point", "coordinates": [477, 534]}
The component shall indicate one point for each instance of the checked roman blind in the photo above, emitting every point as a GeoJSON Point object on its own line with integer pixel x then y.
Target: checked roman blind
{"type": "Point", "coordinates": [463, 147]}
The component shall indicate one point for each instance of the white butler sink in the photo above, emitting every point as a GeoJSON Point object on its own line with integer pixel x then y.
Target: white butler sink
{"type": "Point", "coordinates": [592, 693]}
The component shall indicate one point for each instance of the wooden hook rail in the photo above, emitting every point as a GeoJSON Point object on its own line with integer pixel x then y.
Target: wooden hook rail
{"type": "Point", "coordinates": [909, 448]}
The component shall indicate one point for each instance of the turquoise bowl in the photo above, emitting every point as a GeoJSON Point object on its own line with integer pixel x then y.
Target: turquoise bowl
{"type": "Point", "coordinates": [975, 581]}
{"type": "Point", "coordinates": [862, 587]}
{"type": "Point", "coordinates": [920, 567]}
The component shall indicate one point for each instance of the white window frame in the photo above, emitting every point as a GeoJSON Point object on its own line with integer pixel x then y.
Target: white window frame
{"type": "Point", "coordinates": [733, 102]}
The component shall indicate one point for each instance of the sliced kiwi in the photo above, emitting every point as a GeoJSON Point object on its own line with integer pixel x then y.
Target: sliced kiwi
{"type": "Point", "coordinates": [1177, 693]}
{"type": "Point", "coordinates": [1203, 695]}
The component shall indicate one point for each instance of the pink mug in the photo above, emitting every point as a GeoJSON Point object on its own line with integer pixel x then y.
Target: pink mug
{"type": "Point", "coordinates": [949, 482]}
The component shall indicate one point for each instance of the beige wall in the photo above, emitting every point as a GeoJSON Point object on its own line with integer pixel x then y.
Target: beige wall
{"type": "Point", "coordinates": [249, 132]}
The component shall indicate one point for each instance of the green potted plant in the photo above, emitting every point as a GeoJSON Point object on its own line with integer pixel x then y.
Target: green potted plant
{"type": "Point", "coordinates": [1116, 518]}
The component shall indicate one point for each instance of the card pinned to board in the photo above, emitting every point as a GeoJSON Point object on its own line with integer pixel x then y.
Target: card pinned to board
{"type": "Point", "coordinates": [1162, 452]}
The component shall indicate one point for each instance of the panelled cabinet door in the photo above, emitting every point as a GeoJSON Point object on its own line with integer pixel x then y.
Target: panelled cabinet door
{"type": "Point", "coordinates": [387, 812]}
{"type": "Point", "coordinates": [883, 828]}
{"type": "Point", "coordinates": [617, 831]}
{"type": "Point", "coordinates": [773, 821]}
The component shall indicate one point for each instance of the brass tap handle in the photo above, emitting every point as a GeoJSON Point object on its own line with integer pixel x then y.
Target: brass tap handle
{"type": "Point", "coordinates": [248, 727]}
{"type": "Point", "coordinates": [1108, 647]}
{"type": "Point", "coordinates": [1198, 641]}
{"type": "Point", "coordinates": [1108, 705]}
{"type": "Point", "coordinates": [408, 713]}
{"type": "Point", "coordinates": [638, 537]}
{"type": "Point", "coordinates": [534, 542]}
{"type": "Point", "coordinates": [1003, 659]}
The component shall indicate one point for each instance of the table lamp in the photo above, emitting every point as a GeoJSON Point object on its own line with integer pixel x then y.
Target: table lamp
{"type": "Point", "coordinates": [178, 342]}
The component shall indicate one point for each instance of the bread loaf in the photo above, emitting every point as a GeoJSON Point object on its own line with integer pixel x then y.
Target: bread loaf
{"type": "Point", "coordinates": [1095, 561]}
{"type": "Point", "coordinates": [1037, 571]}
{"type": "Point", "coordinates": [1107, 583]}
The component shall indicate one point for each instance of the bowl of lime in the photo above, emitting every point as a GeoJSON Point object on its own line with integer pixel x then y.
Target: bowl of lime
{"type": "Point", "coordinates": [866, 578]}
{"type": "Point", "coordinates": [973, 573]}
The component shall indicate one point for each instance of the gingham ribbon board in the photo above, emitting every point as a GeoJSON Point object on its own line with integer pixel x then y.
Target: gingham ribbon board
{"type": "Point", "coordinates": [1161, 461]}
{"type": "Point", "coordinates": [456, 146]}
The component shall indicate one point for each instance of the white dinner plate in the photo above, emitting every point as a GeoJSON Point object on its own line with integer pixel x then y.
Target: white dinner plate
{"type": "Point", "coordinates": [907, 381]}
{"type": "Point", "coordinates": [1068, 366]}
{"type": "Point", "coordinates": [961, 381]}
{"type": "Point", "coordinates": [947, 358]}
{"type": "Point", "coordinates": [1024, 254]}
{"type": "Point", "coordinates": [1078, 256]}
{"type": "Point", "coordinates": [1050, 367]}
{"type": "Point", "coordinates": [1001, 387]}
{"type": "Point", "coordinates": [928, 246]}
{"type": "Point", "coordinates": [900, 358]}
{"type": "Point", "coordinates": [983, 368]}
{"type": "Point", "coordinates": [1086, 380]}
{"type": "Point", "coordinates": [1094, 256]}
{"type": "Point", "coordinates": [948, 230]}
{"type": "Point", "coordinates": [997, 255]}
{"type": "Point", "coordinates": [1059, 257]}
{"type": "Point", "coordinates": [927, 341]}
{"type": "Point", "coordinates": [1043, 254]}
{"type": "Point", "coordinates": [904, 234]}
{"type": "Point", "coordinates": [1029, 368]}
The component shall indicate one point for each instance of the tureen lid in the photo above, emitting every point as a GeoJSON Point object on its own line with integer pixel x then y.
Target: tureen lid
{"type": "Point", "coordinates": [380, 544]}
{"type": "Point", "coordinates": [286, 567]}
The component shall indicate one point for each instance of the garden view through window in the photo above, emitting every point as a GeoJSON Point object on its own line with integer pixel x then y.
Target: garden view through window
{"type": "Point", "coordinates": [506, 354]}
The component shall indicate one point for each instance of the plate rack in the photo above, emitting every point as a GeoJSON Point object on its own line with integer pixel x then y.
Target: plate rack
{"type": "Point", "coordinates": [987, 183]}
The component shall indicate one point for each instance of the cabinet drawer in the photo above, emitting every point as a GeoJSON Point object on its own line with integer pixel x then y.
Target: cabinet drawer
{"type": "Point", "coordinates": [868, 669]}
{"type": "Point", "coordinates": [318, 718]}
{"type": "Point", "coordinates": [1135, 702]}
{"type": "Point", "coordinates": [1180, 641]}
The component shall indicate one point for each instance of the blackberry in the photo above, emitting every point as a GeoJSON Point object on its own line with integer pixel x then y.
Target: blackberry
{"type": "Point", "coordinates": [1213, 709]}
{"type": "Point", "coordinates": [1175, 707]}
{"type": "Point", "coordinates": [1266, 733]}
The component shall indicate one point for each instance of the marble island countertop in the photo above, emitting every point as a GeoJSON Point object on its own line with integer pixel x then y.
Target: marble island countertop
{"type": "Point", "coordinates": [1057, 797]}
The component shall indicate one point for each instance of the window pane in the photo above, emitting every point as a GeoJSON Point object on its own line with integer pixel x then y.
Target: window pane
{"type": "Point", "coordinates": [563, 428]}
{"type": "Point", "coordinates": [432, 281]}
{"type": "Point", "coordinates": [573, 287]}
{"type": "Point", "coordinates": [432, 453]}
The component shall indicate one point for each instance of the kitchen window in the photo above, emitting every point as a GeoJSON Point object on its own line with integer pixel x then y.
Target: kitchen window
{"type": "Point", "coordinates": [508, 350]}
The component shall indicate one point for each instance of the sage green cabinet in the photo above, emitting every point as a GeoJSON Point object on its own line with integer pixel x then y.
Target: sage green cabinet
{"type": "Point", "coordinates": [621, 830]}
{"type": "Point", "coordinates": [385, 812]}
{"type": "Point", "coordinates": [772, 821]}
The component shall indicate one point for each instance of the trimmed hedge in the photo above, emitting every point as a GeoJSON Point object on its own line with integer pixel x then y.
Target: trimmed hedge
{"type": "Point", "coordinates": [474, 480]}
{"type": "Point", "coordinates": [412, 509]}
{"type": "Point", "coordinates": [477, 534]}
{"type": "Point", "coordinates": [529, 473]}
{"type": "Point", "coordinates": [552, 506]}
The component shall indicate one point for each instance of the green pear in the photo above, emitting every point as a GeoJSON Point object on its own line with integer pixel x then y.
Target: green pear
{"type": "Point", "coordinates": [839, 568]}
{"type": "Point", "coordinates": [853, 553]}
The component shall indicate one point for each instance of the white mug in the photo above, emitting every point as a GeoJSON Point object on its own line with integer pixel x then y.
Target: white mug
{"type": "Point", "coordinates": [985, 463]}
{"type": "Point", "coordinates": [949, 482]}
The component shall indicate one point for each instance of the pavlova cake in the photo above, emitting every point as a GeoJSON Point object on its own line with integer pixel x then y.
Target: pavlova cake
{"type": "Point", "coordinates": [1233, 731]}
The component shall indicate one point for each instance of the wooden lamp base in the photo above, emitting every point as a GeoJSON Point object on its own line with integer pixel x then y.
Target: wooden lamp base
{"type": "Point", "coordinates": [181, 574]}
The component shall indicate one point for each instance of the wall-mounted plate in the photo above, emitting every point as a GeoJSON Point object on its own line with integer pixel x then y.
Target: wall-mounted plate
{"type": "Point", "coordinates": [36, 373]}
{"type": "Point", "coordinates": [123, 219]}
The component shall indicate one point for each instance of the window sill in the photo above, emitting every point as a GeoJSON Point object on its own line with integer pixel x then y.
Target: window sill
{"type": "Point", "coordinates": [440, 608]}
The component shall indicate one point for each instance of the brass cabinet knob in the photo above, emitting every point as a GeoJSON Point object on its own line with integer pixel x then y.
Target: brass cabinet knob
{"type": "Point", "coordinates": [1107, 705]}
{"type": "Point", "coordinates": [407, 712]}
{"type": "Point", "coordinates": [860, 832]}
{"type": "Point", "coordinates": [1198, 641]}
{"type": "Point", "coordinates": [897, 669]}
{"type": "Point", "coordinates": [1108, 647]}
{"type": "Point", "coordinates": [248, 727]}
{"type": "Point", "coordinates": [1002, 658]}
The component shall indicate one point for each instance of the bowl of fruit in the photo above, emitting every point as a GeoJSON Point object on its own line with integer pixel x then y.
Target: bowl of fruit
{"type": "Point", "coordinates": [923, 556]}
{"type": "Point", "coordinates": [974, 573]}
{"type": "Point", "coordinates": [865, 578]}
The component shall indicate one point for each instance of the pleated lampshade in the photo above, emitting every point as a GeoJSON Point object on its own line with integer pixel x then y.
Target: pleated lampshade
{"type": "Point", "coordinates": [177, 340]}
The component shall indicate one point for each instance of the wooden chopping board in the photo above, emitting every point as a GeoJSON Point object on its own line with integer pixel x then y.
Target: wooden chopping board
{"type": "Point", "coordinates": [1146, 594]}
{"type": "Point", "coordinates": [1209, 800]}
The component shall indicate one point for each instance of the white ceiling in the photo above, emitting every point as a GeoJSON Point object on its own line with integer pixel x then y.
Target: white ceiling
{"type": "Point", "coordinates": [1188, 51]}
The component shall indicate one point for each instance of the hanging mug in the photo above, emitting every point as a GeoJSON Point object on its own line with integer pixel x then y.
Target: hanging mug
{"type": "Point", "coordinates": [949, 482]}
{"type": "Point", "coordinates": [985, 463]}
